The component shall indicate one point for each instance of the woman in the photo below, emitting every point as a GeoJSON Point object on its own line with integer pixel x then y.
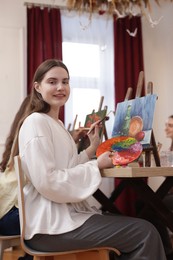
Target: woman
{"type": "Point", "coordinates": [169, 130]}
{"type": "Point", "coordinates": [168, 200]}
{"type": "Point", "coordinates": [60, 180]}
{"type": "Point", "coordinates": [9, 213]}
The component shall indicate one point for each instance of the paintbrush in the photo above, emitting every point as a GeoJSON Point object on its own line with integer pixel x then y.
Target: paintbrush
{"type": "Point", "coordinates": [105, 118]}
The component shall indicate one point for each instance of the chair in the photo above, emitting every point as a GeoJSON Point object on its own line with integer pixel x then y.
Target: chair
{"type": "Point", "coordinates": [8, 241]}
{"type": "Point", "coordinates": [92, 254]}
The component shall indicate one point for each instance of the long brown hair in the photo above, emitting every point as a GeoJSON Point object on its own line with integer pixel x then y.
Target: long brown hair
{"type": "Point", "coordinates": [11, 136]}
{"type": "Point", "coordinates": [36, 104]}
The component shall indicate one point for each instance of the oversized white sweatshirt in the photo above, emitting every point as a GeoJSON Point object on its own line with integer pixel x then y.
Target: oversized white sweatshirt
{"type": "Point", "coordinates": [60, 179]}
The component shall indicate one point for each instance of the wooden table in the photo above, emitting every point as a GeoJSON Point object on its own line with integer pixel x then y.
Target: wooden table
{"type": "Point", "coordinates": [135, 177]}
{"type": "Point", "coordinates": [137, 172]}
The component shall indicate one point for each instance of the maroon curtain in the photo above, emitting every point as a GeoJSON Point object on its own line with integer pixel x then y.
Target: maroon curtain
{"type": "Point", "coordinates": [44, 40]}
{"type": "Point", "coordinates": [128, 62]}
{"type": "Point", "coordinates": [128, 55]}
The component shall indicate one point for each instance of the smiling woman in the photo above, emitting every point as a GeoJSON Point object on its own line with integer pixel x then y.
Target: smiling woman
{"type": "Point", "coordinates": [60, 181]}
{"type": "Point", "coordinates": [169, 130]}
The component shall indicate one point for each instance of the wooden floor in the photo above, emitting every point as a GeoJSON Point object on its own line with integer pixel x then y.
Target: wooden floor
{"type": "Point", "coordinates": [13, 254]}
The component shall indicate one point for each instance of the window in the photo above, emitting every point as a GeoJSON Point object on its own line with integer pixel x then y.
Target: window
{"type": "Point", "coordinates": [75, 55]}
{"type": "Point", "coordinates": [88, 54]}
{"type": "Point", "coordinates": [83, 73]}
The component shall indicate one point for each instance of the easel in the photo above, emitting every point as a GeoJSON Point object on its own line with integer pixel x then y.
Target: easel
{"type": "Point", "coordinates": [144, 210]}
{"type": "Point", "coordinates": [152, 148]}
{"type": "Point", "coordinates": [84, 142]}
{"type": "Point", "coordinates": [99, 109]}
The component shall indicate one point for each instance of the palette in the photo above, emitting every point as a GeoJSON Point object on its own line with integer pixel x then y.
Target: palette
{"type": "Point", "coordinates": [124, 149]}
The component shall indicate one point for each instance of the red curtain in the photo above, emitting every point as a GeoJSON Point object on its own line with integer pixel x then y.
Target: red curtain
{"type": "Point", "coordinates": [128, 62]}
{"type": "Point", "coordinates": [44, 40]}
{"type": "Point", "coordinates": [128, 55]}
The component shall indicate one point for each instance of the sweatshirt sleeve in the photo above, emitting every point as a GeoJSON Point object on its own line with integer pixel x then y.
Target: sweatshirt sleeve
{"type": "Point", "coordinates": [52, 166]}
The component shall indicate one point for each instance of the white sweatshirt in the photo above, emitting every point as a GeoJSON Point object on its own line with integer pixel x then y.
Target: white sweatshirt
{"type": "Point", "coordinates": [61, 179]}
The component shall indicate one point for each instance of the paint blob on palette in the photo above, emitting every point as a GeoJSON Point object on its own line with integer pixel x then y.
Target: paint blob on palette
{"type": "Point", "coordinates": [125, 149]}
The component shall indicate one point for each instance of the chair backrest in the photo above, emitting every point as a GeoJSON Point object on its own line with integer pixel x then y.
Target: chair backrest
{"type": "Point", "coordinates": [21, 181]}
{"type": "Point", "coordinates": [21, 203]}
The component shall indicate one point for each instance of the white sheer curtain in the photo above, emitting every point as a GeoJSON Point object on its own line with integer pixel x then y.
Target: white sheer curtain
{"type": "Point", "coordinates": [98, 31]}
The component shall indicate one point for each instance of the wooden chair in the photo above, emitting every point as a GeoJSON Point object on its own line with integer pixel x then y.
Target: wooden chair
{"type": "Point", "coordinates": [92, 254]}
{"type": "Point", "coordinates": [7, 242]}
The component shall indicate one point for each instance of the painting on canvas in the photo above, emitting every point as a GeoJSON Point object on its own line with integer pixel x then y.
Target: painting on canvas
{"type": "Point", "coordinates": [95, 116]}
{"type": "Point", "coordinates": [135, 118]}
{"type": "Point", "coordinates": [90, 119]}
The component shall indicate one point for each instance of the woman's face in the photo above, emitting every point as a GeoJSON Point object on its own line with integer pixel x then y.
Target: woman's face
{"type": "Point", "coordinates": [54, 87]}
{"type": "Point", "coordinates": [169, 128]}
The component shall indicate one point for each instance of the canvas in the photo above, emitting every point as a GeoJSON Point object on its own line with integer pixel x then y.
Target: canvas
{"type": "Point", "coordinates": [135, 118]}
{"type": "Point", "coordinates": [90, 119]}
{"type": "Point", "coordinates": [93, 117]}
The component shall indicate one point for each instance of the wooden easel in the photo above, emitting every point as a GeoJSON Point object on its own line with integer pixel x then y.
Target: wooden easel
{"type": "Point", "coordinates": [152, 147]}
{"type": "Point", "coordinates": [99, 109]}
{"type": "Point", "coordinates": [84, 142]}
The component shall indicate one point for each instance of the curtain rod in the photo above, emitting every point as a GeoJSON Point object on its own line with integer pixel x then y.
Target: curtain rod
{"type": "Point", "coordinates": [29, 4]}
{"type": "Point", "coordinates": [61, 7]}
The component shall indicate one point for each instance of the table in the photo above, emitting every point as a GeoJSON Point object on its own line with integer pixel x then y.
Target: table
{"type": "Point", "coordinates": [134, 176]}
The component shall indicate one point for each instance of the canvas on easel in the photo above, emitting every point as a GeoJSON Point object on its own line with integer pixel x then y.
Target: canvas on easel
{"type": "Point", "coordinates": [149, 143]}
{"type": "Point", "coordinates": [120, 185]}
{"type": "Point", "coordinates": [94, 117]}
{"type": "Point", "coordinates": [89, 120]}
{"type": "Point", "coordinates": [135, 118]}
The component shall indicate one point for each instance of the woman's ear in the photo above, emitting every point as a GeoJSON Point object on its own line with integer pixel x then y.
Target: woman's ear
{"type": "Point", "coordinates": [37, 87]}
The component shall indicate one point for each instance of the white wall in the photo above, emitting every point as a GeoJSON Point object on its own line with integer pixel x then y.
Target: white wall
{"type": "Point", "coordinates": [158, 68]}
{"type": "Point", "coordinates": [12, 62]}
{"type": "Point", "coordinates": [158, 61]}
